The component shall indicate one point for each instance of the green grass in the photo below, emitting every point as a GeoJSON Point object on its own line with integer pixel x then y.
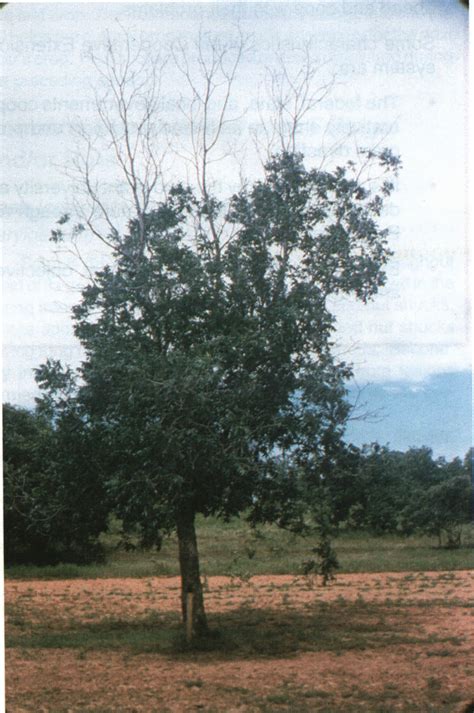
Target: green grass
{"type": "Point", "coordinates": [234, 549]}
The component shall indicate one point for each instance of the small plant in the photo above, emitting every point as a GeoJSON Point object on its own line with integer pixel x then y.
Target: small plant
{"type": "Point", "coordinates": [433, 683]}
{"type": "Point", "coordinates": [316, 693]}
{"type": "Point", "coordinates": [279, 698]}
{"type": "Point", "coordinates": [194, 683]}
{"type": "Point", "coordinates": [326, 563]}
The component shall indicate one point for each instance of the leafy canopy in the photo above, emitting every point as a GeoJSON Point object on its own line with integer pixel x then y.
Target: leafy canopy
{"type": "Point", "coordinates": [209, 376]}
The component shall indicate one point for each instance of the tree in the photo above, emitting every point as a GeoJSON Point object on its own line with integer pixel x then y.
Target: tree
{"type": "Point", "coordinates": [368, 487]}
{"type": "Point", "coordinates": [382, 490]}
{"type": "Point", "coordinates": [54, 502]}
{"type": "Point", "coordinates": [469, 471]}
{"type": "Point", "coordinates": [442, 506]}
{"type": "Point", "coordinates": [209, 377]}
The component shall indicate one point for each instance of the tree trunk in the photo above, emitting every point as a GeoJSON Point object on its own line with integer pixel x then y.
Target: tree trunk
{"type": "Point", "coordinates": [191, 587]}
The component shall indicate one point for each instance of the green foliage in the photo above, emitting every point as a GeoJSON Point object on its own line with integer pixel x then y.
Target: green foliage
{"type": "Point", "coordinates": [384, 491]}
{"type": "Point", "coordinates": [54, 503]}
{"type": "Point", "coordinates": [209, 380]}
{"type": "Point", "coordinates": [328, 562]}
{"type": "Point", "coordinates": [441, 510]}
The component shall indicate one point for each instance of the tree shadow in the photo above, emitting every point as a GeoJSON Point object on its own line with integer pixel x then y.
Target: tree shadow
{"type": "Point", "coordinates": [242, 633]}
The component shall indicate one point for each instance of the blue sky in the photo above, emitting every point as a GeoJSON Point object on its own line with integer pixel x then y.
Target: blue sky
{"type": "Point", "coordinates": [434, 413]}
{"type": "Point", "coordinates": [401, 72]}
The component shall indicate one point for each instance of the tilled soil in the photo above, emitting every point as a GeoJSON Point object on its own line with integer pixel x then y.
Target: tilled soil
{"type": "Point", "coordinates": [375, 642]}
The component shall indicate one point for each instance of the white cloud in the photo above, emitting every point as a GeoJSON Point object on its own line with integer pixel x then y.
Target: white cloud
{"type": "Point", "coordinates": [415, 364]}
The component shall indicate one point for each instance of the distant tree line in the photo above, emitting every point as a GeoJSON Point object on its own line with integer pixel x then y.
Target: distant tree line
{"type": "Point", "coordinates": [380, 490]}
{"type": "Point", "coordinates": [56, 504]}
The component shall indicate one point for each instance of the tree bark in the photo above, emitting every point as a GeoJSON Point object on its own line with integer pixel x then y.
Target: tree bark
{"type": "Point", "coordinates": [190, 577]}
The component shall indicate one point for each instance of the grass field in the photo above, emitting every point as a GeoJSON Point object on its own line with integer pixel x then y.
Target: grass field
{"type": "Point", "coordinates": [234, 549]}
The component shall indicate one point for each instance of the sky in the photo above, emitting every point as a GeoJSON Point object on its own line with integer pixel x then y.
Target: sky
{"type": "Point", "coordinates": [400, 78]}
{"type": "Point", "coordinates": [400, 414]}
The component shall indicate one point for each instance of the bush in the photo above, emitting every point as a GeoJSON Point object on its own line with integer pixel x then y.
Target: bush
{"type": "Point", "coordinates": [55, 507]}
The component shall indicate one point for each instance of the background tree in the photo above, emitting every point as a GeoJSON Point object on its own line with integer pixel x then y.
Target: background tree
{"type": "Point", "coordinates": [381, 490]}
{"type": "Point", "coordinates": [209, 378]}
{"type": "Point", "coordinates": [439, 505]}
{"type": "Point", "coordinates": [54, 501]}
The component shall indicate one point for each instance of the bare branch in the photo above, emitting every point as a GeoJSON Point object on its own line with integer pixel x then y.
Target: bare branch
{"type": "Point", "coordinates": [128, 106]}
{"type": "Point", "coordinates": [290, 95]}
{"type": "Point", "coordinates": [210, 73]}
{"type": "Point", "coordinates": [358, 408]}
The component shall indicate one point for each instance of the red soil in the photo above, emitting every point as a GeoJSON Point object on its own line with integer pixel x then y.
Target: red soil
{"type": "Point", "coordinates": [434, 675]}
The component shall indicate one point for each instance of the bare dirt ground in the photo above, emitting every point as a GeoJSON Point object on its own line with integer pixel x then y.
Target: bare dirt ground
{"type": "Point", "coordinates": [375, 642]}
